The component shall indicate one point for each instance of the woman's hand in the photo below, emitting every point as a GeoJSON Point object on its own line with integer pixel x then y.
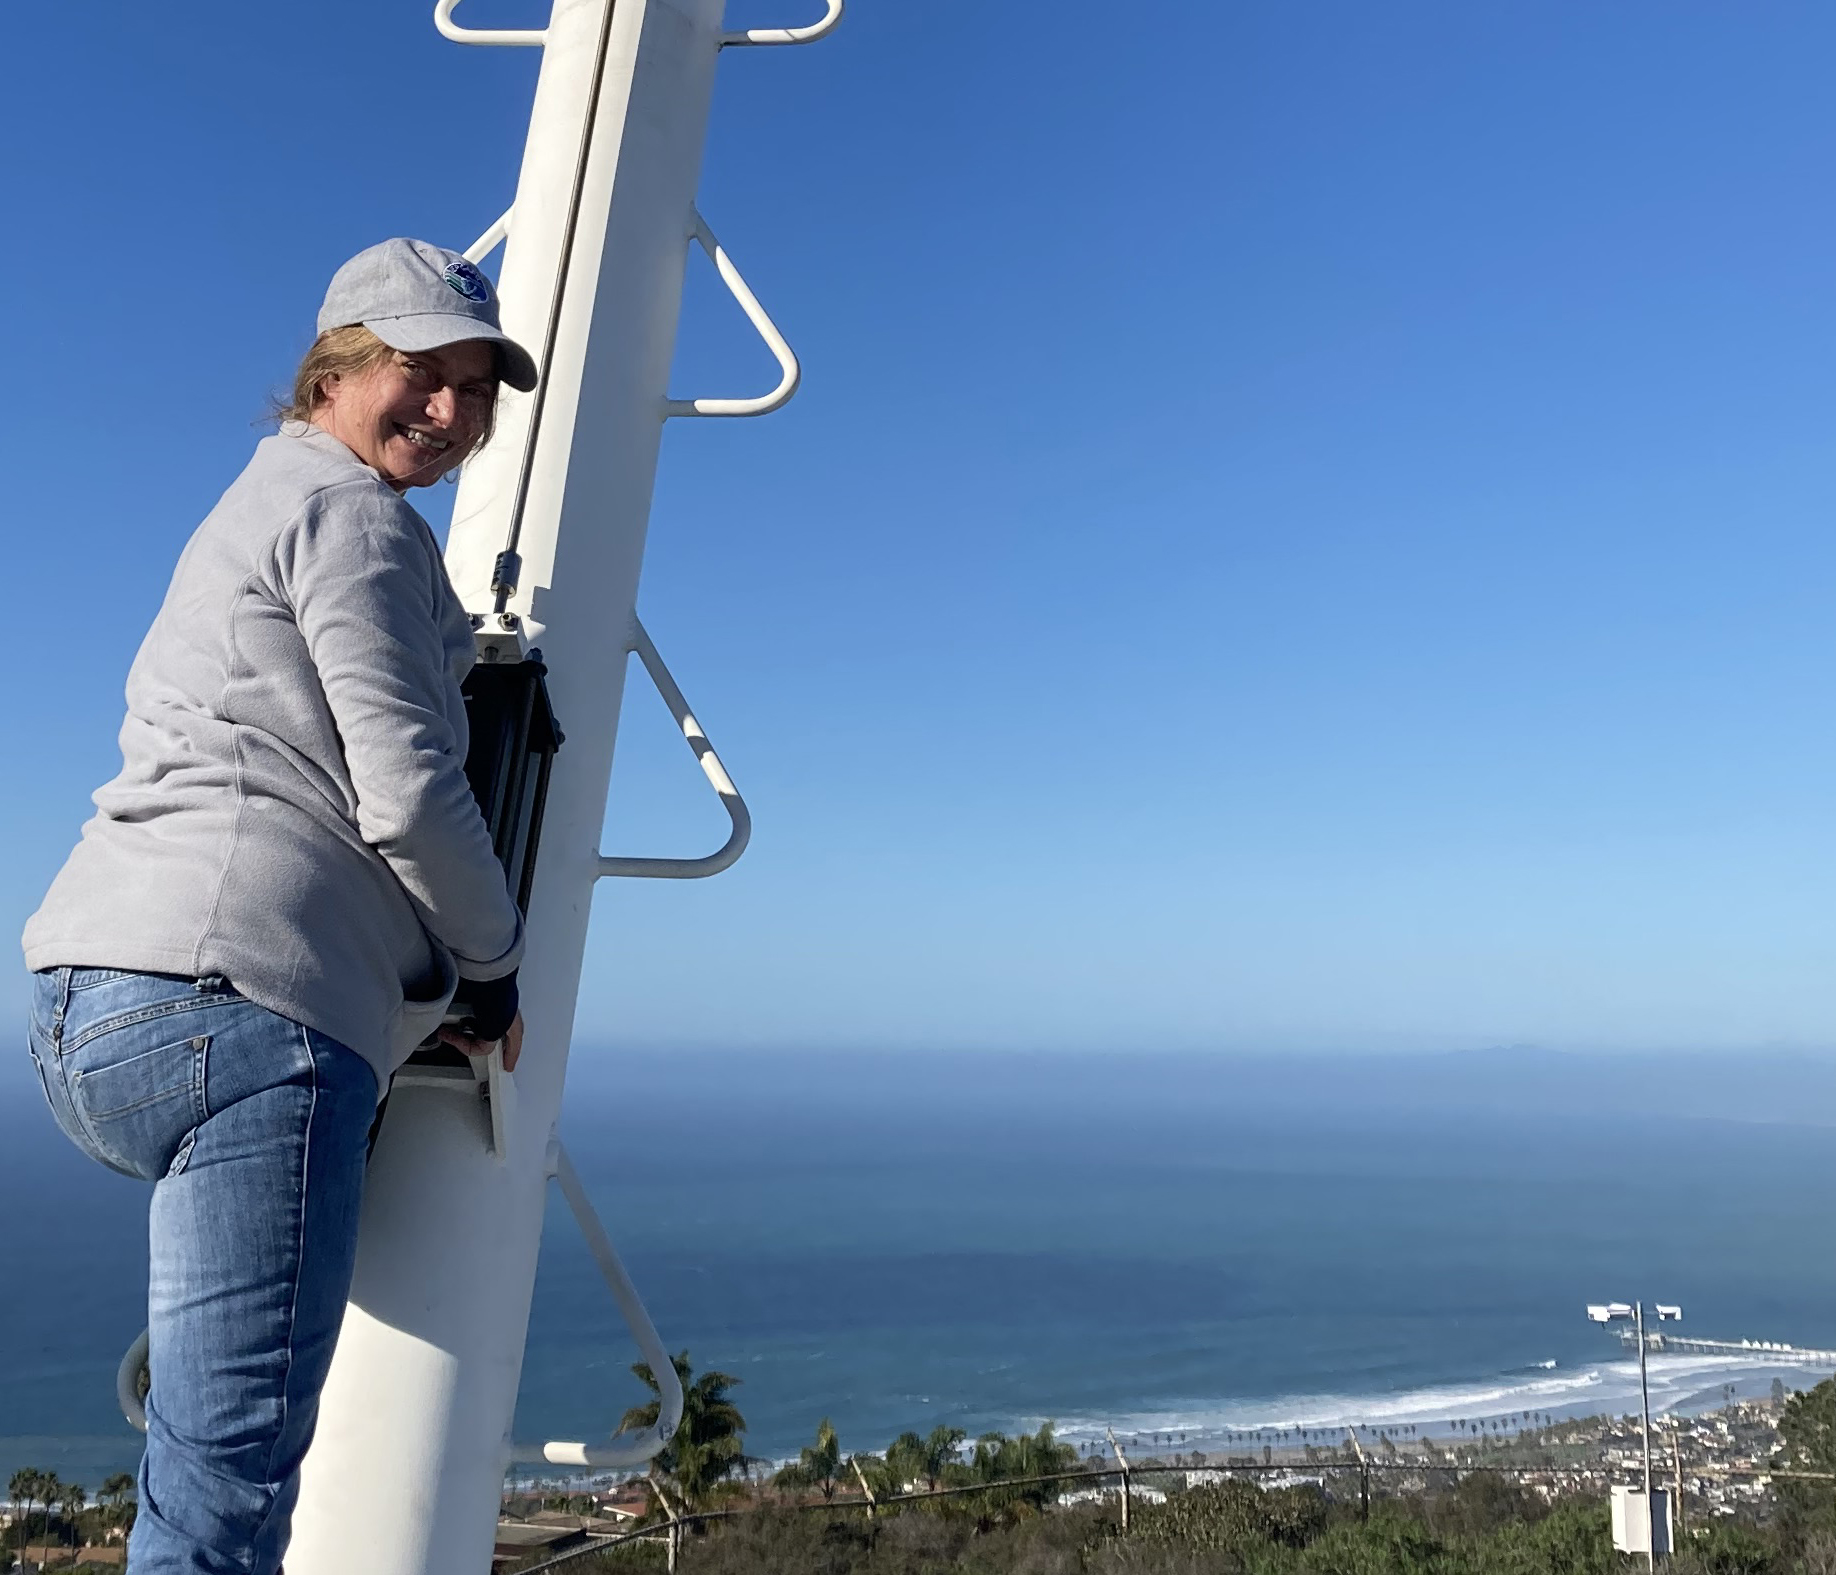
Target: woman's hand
{"type": "Point", "coordinates": [512, 1043]}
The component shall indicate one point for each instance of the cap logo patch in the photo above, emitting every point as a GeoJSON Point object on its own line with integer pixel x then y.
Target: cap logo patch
{"type": "Point", "coordinates": [467, 280]}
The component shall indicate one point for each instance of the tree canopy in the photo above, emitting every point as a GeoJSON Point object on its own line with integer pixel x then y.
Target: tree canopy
{"type": "Point", "coordinates": [1807, 1429]}
{"type": "Point", "coordinates": [819, 1464]}
{"type": "Point", "coordinates": [707, 1447]}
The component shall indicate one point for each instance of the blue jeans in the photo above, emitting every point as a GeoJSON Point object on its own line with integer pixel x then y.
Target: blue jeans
{"type": "Point", "coordinates": [253, 1130]}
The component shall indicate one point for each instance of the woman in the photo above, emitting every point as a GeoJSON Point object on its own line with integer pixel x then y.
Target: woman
{"type": "Point", "coordinates": [280, 891]}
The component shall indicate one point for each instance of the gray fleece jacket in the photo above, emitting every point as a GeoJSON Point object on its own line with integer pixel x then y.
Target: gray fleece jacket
{"type": "Point", "coordinates": [292, 811]}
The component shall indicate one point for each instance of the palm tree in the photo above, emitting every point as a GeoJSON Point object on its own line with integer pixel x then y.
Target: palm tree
{"type": "Point", "coordinates": [999, 1459]}
{"type": "Point", "coordinates": [929, 1460]}
{"type": "Point", "coordinates": [903, 1463]}
{"type": "Point", "coordinates": [70, 1504]}
{"type": "Point", "coordinates": [706, 1447]}
{"type": "Point", "coordinates": [818, 1465]}
{"type": "Point", "coordinates": [823, 1461]}
{"type": "Point", "coordinates": [940, 1451]}
{"type": "Point", "coordinates": [49, 1486]}
{"type": "Point", "coordinates": [115, 1495]}
{"type": "Point", "coordinates": [26, 1485]}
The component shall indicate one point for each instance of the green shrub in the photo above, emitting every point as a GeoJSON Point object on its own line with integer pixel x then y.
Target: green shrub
{"type": "Point", "coordinates": [1728, 1550]}
{"type": "Point", "coordinates": [1228, 1515]}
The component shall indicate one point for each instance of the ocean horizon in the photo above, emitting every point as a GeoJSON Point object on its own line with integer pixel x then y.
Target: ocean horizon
{"type": "Point", "coordinates": [1177, 1247]}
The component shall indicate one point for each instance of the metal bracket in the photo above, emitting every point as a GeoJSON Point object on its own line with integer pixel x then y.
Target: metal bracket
{"type": "Point", "coordinates": [514, 38]}
{"type": "Point", "coordinates": [497, 641]}
{"type": "Point", "coordinates": [506, 570]}
{"type": "Point", "coordinates": [127, 1382]}
{"type": "Point", "coordinates": [482, 1075]}
{"type": "Point", "coordinates": [492, 238]}
{"type": "Point", "coordinates": [764, 404]}
{"type": "Point", "coordinates": [787, 35]}
{"type": "Point", "coordinates": [639, 1447]}
{"type": "Point", "coordinates": [716, 773]}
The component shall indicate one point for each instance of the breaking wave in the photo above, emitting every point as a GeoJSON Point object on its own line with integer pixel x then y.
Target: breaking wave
{"type": "Point", "coordinates": [1678, 1383]}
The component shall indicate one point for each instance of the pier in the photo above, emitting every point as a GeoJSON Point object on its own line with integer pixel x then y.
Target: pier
{"type": "Point", "coordinates": [1776, 1350]}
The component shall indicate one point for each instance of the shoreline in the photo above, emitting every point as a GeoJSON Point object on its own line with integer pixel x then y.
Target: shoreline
{"type": "Point", "coordinates": [1543, 1396]}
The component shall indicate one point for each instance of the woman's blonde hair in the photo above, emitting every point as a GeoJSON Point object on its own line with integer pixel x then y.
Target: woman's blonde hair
{"type": "Point", "coordinates": [346, 352]}
{"type": "Point", "coordinates": [338, 352]}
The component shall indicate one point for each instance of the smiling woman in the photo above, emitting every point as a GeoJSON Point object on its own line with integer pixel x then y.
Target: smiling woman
{"type": "Point", "coordinates": [411, 418]}
{"type": "Point", "coordinates": [280, 891]}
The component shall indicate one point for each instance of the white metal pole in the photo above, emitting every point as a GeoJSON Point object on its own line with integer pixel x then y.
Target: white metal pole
{"type": "Point", "coordinates": [406, 1472]}
{"type": "Point", "coordinates": [1644, 1398]}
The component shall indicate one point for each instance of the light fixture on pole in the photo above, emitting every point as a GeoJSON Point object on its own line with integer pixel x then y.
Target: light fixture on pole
{"type": "Point", "coordinates": [1613, 1312]}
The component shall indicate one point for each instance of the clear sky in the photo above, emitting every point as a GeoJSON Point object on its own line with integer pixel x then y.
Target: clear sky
{"type": "Point", "coordinates": [1306, 525]}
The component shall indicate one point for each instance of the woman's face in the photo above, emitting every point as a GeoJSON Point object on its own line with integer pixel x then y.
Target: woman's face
{"type": "Point", "coordinates": [413, 416]}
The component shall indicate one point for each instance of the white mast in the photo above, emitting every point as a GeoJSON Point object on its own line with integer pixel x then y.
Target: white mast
{"type": "Point", "coordinates": [406, 1472]}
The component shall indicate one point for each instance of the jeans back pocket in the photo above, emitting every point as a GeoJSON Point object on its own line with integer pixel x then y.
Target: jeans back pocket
{"type": "Point", "coordinates": [137, 1104]}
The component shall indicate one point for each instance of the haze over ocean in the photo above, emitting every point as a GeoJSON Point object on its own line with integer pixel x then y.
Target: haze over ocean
{"type": "Point", "coordinates": [1179, 1243]}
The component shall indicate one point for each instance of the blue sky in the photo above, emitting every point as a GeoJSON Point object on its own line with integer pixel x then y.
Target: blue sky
{"type": "Point", "coordinates": [1306, 526]}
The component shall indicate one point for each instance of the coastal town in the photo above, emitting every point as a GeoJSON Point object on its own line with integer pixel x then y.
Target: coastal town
{"type": "Point", "coordinates": [1722, 1463]}
{"type": "Point", "coordinates": [1719, 1462]}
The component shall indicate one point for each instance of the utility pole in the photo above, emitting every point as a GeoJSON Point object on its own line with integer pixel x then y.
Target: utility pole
{"type": "Point", "coordinates": [1364, 1475]}
{"type": "Point", "coordinates": [1121, 1461]}
{"type": "Point", "coordinates": [861, 1477]}
{"type": "Point", "coordinates": [1610, 1312]}
{"type": "Point", "coordinates": [547, 541]}
{"type": "Point", "coordinates": [672, 1524]}
{"type": "Point", "coordinates": [1644, 1436]}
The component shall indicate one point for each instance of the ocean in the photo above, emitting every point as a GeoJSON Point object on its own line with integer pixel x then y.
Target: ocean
{"type": "Point", "coordinates": [1175, 1246]}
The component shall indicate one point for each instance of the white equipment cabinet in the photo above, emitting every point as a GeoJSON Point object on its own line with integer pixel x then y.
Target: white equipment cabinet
{"type": "Point", "coordinates": [1633, 1528]}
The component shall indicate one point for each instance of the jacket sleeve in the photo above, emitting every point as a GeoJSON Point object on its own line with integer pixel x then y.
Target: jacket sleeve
{"type": "Point", "coordinates": [360, 575]}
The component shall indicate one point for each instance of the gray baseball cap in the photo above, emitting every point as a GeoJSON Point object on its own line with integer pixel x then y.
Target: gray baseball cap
{"type": "Point", "coordinates": [414, 295]}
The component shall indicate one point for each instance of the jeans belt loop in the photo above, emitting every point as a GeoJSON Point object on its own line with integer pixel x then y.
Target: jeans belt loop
{"type": "Point", "coordinates": [63, 1005]}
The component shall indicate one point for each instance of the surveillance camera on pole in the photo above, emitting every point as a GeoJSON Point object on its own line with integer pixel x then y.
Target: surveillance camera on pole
{"type": "Point", "coordinates": [1626, 1529]}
